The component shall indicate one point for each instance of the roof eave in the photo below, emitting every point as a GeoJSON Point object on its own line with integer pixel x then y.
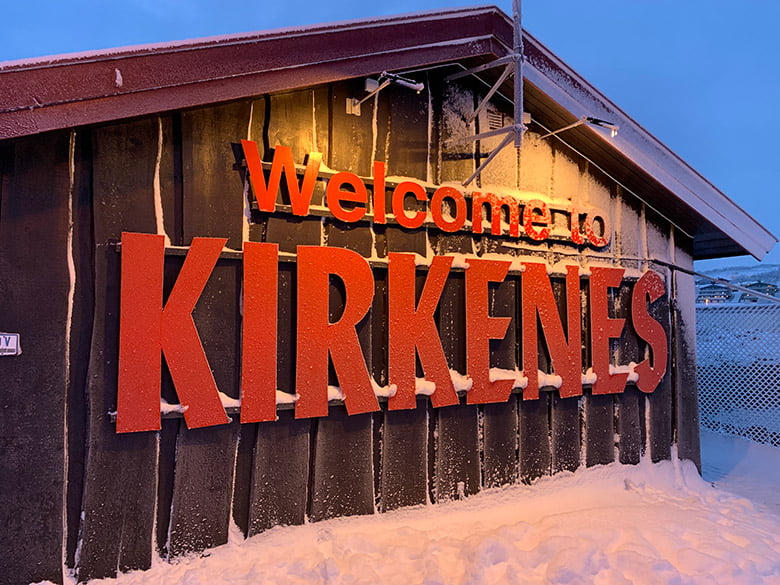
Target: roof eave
{"type": "Point", "coordinates": [46, 94]}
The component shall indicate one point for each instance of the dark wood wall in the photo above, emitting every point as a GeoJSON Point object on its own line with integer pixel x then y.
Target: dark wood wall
{"type": "Point", "coordinates": [70, 482]}
{"type": "Point", "coordinates": [34, 299]}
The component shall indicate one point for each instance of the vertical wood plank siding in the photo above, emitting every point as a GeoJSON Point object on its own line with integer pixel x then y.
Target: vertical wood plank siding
{"type": "Point", "coordinates": [34, 286]}
{"type": "Point", "coordinates": [121, 471]}
{"type": "Point", "coordinates": [213, 206]}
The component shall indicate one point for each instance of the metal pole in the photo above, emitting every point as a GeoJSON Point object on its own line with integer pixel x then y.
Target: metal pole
{"type": "Point", "coordinates": [518, 50]}
{"type": "Point", "coordinates": [507, 139]}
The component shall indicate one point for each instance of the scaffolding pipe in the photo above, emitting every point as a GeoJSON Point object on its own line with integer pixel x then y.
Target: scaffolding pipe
{"type": "Point", "coordinates": [518, 50]}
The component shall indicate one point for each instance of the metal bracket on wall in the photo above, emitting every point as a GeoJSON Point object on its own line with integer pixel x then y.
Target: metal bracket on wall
{"type": "Point", "coordinates": [513, 65]}
{"type": "Point", "coordinates": [374, 86]}
{"type": "Point", "coordinates": [613, 128]}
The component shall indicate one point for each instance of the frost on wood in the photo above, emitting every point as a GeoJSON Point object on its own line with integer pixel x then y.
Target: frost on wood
{"type": "Point", "coordinates": [502, 170]}
{"type": "Point", "coordinates": [457, 161]}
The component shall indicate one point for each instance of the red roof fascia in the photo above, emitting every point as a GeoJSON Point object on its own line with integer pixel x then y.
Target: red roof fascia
{"type": "Point", "coordinates": [40, 95]}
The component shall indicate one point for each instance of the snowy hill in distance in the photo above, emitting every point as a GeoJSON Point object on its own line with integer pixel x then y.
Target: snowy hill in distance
{"type": "Point", "coordinates": [741, 274]}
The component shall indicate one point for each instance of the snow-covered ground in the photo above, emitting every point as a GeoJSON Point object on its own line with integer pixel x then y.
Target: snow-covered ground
{"type": "Point", "coordinates": [614, 525]}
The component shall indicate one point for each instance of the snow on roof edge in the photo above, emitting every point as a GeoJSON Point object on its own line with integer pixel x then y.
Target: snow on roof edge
{"type": "Point", "coordinates": [231, 38]}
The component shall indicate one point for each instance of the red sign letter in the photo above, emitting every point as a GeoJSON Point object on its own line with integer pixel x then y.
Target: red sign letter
{"type": "Point", "coordinates": [481, 328]}
{"type": "Point", "coordinates": [146, 328]}
{"type": "Point", "coordinates": [399, 210]}
{"type": "Point", "coordinates": [437, 201]}
{"type": "Point", "coordinates": [317, 336]}
{"type": "Point", "coordinates": [603, 328]}
{"type": "Point", "coordinates": [411, 330]}
{"type": "Point", "coordinates": [649, 287]}
{"type": "Point", "coordinates": [496, 204]}
{"type": "Point", "coordinates": [336, 195]}
{"type": "Point", "coordinates": [566, 357]}
{"type": "Point", "coordinates": [300, 198]}
{"type": "Point", "coordinates": [590, 231]}
{"type": "Point", "coordinates": [531, 218]}
{"type": "Point", "coordinates": [258, 332]}
{"type": "Point", "coordinates": [378, 203]}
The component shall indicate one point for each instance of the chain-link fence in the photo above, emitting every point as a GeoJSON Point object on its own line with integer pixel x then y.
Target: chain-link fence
{"type": "Point", "coordinates": [738, 368]}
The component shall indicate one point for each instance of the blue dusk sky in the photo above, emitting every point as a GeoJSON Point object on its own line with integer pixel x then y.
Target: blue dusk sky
{"type": "Point", "coordinates": [701, 75]}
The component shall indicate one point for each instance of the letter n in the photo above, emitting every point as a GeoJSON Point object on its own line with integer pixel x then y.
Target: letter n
{"type": "Point", "coordinates": [566, 355]}
{"type": "Point", "coordinates": [146, 330]}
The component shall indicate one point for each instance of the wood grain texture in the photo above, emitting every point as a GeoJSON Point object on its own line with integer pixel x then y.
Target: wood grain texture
{"type": "Point", "coordinates": [404, 450]}
{"type": "Point", "coordinates": [500, 421]}
{"type": "Point", "coordinates": [202, 488]}
{"type": "Point", "coordinates": [408, 147]}
{"type": "Point", "coordinates": [280, 473]}
{"type": "Point", "coordinates": [342, 480]}
{"type": "Point", "coordinates": [598, 412]}
{"type": "Point", "coordinates": [407, 155]}
{"type": "Point", "coordinates": [165, 477]}
{"type": "Point", "coordinates": [457, 464]}
{"type": "Point", "coordinates": [629, 425]}
{"type": "Point", "coordinates": [565, 432]}
{"type": "Point", "coordinates": [565, 416]}
{"type": "Point", "coordinates": [660, 402]}
{"type": "Point", "coordinates": [290, 232]}
{"type": "Point", "coordinates": [534, 432]}
{"type": "Point", "coordinates": [684, 357]}
{"type": "Point", "coordinates": [120, 478]}
{"type": "Point", "coordinates": [599, 429]}
{"type": "Point", "coordinates": [290, 120]}
{"type": "Point", "coordinates": [213, 190]}
{"type": "Point", "coordinates": [452, 111]}
{"type": "Point", "coordinates": [350, 137]}
{"type": "Point", "coordinates": [34, 285]}
{"type": "Point", "coordinates": [457, 452]}
{"type": "Point", "coordinates": [452, 325]}
{"type": "Point", "coordinates": [242, 477]}
{"type": "Point", "coordinates": [352, 236]}
{"type": "Point", "coordinates": [169, 432]}
{"type": "Point", "coordinates": [285, 344]}
{"type": "Point", "coordinates": [81, 336]}
{"type": "Point", "coordinates": [201, 507]}
{"type": "Point", "coordinates": [500, 465]}
{"type": "Point", "coordinates": [628, 404]}
{"type": "Point", "coordinates": [404, 471]}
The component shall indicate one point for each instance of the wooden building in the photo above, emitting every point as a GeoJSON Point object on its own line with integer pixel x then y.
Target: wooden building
{"type": "Point", "coordinates": [149, 141]}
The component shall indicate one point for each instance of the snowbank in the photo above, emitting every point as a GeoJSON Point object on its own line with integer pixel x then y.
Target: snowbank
{"type": "Point", "coordinates": [743, 467]}
{"type": "Point", "coordinates": [612, 525]}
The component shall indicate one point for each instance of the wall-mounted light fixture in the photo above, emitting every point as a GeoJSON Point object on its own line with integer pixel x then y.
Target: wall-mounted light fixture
{"type": "Point", "coordinates": [374, 86]}
{"type": "Point", "coordinates": [613, 129]}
